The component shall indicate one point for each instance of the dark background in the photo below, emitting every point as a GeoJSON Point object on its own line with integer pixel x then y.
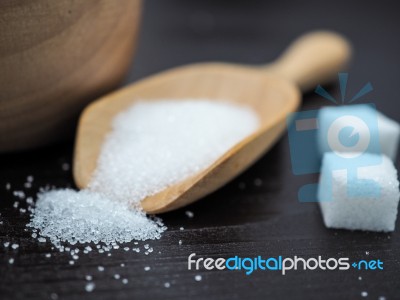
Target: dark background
{"type": "Point", "coordinates": [262, 220]}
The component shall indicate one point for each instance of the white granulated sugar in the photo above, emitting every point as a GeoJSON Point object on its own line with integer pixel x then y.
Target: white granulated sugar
{"type": "Point", "coordinates": [189, 214]}
{"type": "Point", "coordinates": [364, 294]}
{"type": "Point", "coordinates": [125, 281]}
{"type": "Point", "coordinates": [166, 142]}
{"type": "Point", "coordinates": [53, 296]}
{"type": "Point", "coordinates": [100, 268]}
{"type": "Point", "coordinates": [197, 277]}
{"type": "Point", "coordinates": [151, 146]}
{"type": "Point", "coordinates": [11, 261]}
{"type": "Point", "coordinates": [89, 287]}
{"type": "Point", "coordinates": [84, 217]}
{"type": "Point", "coordinates": [15, 246]}
{"type": "Point", "coordinates": [147, 268]}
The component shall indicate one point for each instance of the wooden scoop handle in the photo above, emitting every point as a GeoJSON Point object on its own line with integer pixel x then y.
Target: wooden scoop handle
{"type": "Point", "coordinates": [314, 58]}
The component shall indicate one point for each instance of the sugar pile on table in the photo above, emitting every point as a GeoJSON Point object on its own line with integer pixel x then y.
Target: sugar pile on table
{"type": "Point", "coordinates": [84, 217]}
{"type": "Point", "coordinates": [151, 146]}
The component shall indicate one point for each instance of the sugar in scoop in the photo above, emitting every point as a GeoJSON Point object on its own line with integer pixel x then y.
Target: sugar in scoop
{"type": "Point", "coordinates": [151, 146]}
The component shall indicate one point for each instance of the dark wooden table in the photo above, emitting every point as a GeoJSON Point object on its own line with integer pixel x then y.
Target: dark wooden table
{"type": "Point", "coordinates": [262, 220]}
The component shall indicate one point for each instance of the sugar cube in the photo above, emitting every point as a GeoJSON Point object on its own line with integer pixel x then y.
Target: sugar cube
{"type": "Point", "coordinates": [388, 130]}
{"type": "Point", "coordinates": [350, 202]}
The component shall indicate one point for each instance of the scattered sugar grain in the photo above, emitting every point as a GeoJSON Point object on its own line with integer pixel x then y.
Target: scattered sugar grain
{"type": "Point", "coordinates": [48, 255]}
{"type": "Point", "coordinates": [29, 178]}
{"type": "Point", "coordinates": [180, 242]}
{"type": "Point", "coordinates": [6, 244]}
{"type": "Point", "coordinates": [11, 261]}
{"type": "Point", "coordinates": [126, 248]}
{"type": "Point", "coordinates": [117, 276]}
{"type": "Point", "coordinates": [42, 240]}
{"type": "Point", "coordinates": [125, 281]}
{"type": "Point", "coordinates": [89, 287]}
{"type": "Point", "coordinates": [19, 194]}
{"type": "Point", "coordinates": [366, 252]}
{"type": "Point", "coordinates": [100, 268]}
{"type": "Point", "coordinates": [181, 228]}
{"type": "Point", "coordinates": [147, 268]}
{"type": "Point", "coordinates": [71, 262]}
{"type": "Point", "coordinates": [167, 285]}
{"type": "Point", "coordinates": [197, 277]}
{"type": "Point", "coordinates": [258, 182]}
{"type": "Point", "coordinates": [359, 278]}
{"type": "Point", "coordinates": [88, 277]}
{"type": "Point", "coordinates": [189, 214]}
{"type": "Point", "coordinates": [15, 246]}
{"type": "Point", "coordinates": [65, 166]}
{"type": "Point", "coordinates": [364, 294]}
{"type": "Point", "coordinates": [123, 265]}
{"type": "Point", "coordinates": [381, 298]}
{"type": "Point", "coordinates": [8, 186]}
{"type": "Point", "coordinates": [53, 296]}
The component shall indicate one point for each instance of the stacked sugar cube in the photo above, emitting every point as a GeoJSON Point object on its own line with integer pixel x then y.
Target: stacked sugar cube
{"type": "Point", "coordinates": [358, 190]}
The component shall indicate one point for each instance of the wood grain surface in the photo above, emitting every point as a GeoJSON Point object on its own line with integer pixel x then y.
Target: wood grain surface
{"type": "Point", "coordinates": [242, 218]}
{"type": "Point", "coordinates": [55, 57]}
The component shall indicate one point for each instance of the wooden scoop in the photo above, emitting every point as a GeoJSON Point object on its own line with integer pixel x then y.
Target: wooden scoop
{"type": "Point", "coordinates": [272, 91]}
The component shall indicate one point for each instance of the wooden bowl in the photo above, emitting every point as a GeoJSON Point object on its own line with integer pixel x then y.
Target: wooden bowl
{"type": "Point", "coordinates": [55, 57]}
